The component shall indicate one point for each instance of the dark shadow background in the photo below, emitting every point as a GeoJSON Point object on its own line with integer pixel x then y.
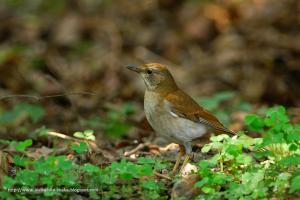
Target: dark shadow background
{"type": "Point", "coordinates": [50, 47]}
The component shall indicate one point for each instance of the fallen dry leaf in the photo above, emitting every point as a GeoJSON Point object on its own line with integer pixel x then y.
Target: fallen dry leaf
{"type": "Point", "coordinates": [4, 165]}
{"type": "Point", "coordinates": [36, 153]}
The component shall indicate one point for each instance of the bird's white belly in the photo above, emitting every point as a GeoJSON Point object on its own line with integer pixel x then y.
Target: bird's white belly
{"type": "Point", "coordinates": [178, 129]}
{"type": "Point", "coordinates": [175, 128]}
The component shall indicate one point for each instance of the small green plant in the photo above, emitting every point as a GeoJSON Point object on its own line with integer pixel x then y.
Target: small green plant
{"type": "Point", "coordinates": [87, 135]}
{"type": "Point", "coordinates": [270, 170]}
{"type": "Point", "coordinates": [121, 179]}
{"type": "Point", "coordinates": [21, 146]}
{"type": "Point", "coordinates": [80, 148]}
{"type": "Point", "coordinates": [280, 137]}
{"type": "Point", "coordinates": [53, 172]}
{"type": "Point", "coordinates": [18, 145]}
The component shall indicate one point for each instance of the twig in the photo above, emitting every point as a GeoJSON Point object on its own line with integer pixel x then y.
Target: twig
{"type": "Point", "coordinates": [140, 146]}
{"type": "Point", "coordinates": [171, 146]}
{"type": "Point", "coordinates": [39, 98]}
{"type": "Point", "coordinates": [92, 144]}
{"type": "Point", "coordinates": [162, 176]}
{"type": "Point", "coordinates": [63, 136]}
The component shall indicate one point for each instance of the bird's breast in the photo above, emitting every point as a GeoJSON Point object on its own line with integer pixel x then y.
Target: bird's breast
{"type": "Point", "coordinates": [152, 105]}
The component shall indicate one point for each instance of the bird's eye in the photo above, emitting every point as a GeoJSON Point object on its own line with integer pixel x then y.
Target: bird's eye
{"type": "Point", "coordinates": [149, 71]}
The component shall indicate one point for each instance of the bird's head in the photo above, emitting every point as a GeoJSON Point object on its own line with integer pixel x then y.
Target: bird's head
{"type": "Point", "coordinates": [156, 76]}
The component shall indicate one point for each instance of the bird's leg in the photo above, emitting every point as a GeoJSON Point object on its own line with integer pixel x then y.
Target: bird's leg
{"type": "Point", "coordinates": [185, 162]}
{"type": "Point", "coordinates": [188, 152]}
{"type": "Point", "coordinates": [181, 153]}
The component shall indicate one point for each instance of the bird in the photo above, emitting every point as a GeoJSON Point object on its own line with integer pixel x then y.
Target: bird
{"type": "Point", "coordinates": [172, 113]}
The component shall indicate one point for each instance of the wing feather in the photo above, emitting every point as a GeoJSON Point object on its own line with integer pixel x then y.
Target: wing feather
{"type": "Point", "coordinates": [182, 105]}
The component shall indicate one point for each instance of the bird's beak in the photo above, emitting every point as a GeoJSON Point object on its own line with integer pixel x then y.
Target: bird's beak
{"type": "Point", "coordinates": [134, 68]}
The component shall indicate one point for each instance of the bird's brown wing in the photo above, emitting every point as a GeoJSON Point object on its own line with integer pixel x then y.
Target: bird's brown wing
{"type": "Point", "coordinates": [183, 105]}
